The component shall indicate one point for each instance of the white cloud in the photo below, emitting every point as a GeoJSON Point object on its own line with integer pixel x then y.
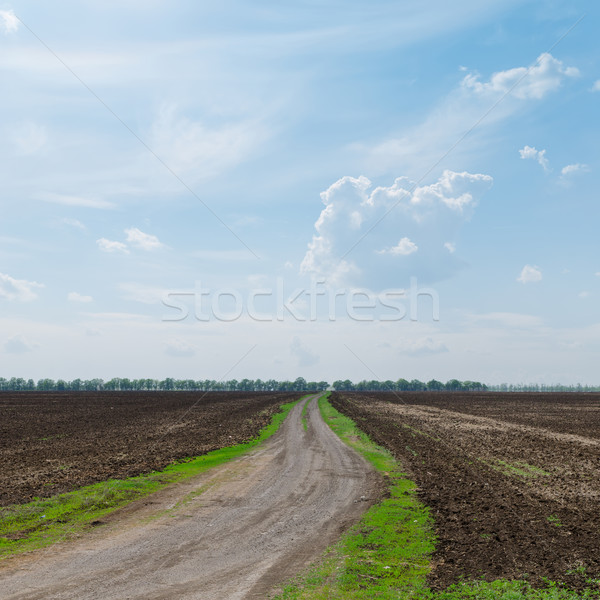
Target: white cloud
{"type": "Point", "coordinates": [451, 247]}
{"type": "Point", "coordinates": [73, 223]}
{"type": "Point", "coordinates": [418, 149]}
{"type": "Point", "coordinates": [17, 289]}
{"type": "Point", "coordinates": [584, 294]}
{"type": "Point", "coordinates": [344, 249]}
{"type": "Point", "coordinates": [29, 138]}
{"type": "Point", "coordinates": [596, 86]}
{"type": "Point", "coordinates": [421, 347]}
{"type": "Point", "coordinates": [9, 23]}
{"type": "Point", "coordinates": [530, 274]}
{"type": "Point", "coordinates": [112, 246]}
{"type": "Point", "coordinates": [403, 248]}
{"type": "Point", "coordinates": [574, 169]}
{"type": "Point", "coordinates": [179, 348]}
{"type": "Point", "coordinates": [534, 82]}
{"type": "Point", "coordinates": [198, 151]}
{"type": "Point", "coordinates": [304, 356]}
{"type": "Point", "coordinates": [142, 240]}
{"type": "Point", "coordinates": [529, 152]}
{"type": "Point", "coordinates": [73, 200]}
{"type": "Point", "coordinates": [18, 344]}
{"type": "Point", "coordinates": [76, 297]}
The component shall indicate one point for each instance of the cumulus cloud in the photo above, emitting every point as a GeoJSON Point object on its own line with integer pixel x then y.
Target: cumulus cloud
{"type": "Point", "coordinates": [142, 240]}
{"type": "Point", "coordinates": [9, 23]}
{"type": "Point", "coordinates": [414, 150]}
{"type": "Point", "coordinates": [574, 169]}
{"type": "Point", "coordinates": [135, 237]}
{"type": "Point", "coordinates": [18, 344]}
{"type": "Point", "coordinates": [529, 152]}
{"type": "Point", "coordinates": [596, 86]}
{"type": "Point", "coordinates": [403, 248]}
{"type": "Point", "coordinates": [535, 82]}
{"type": "Point", "coordinates": [179, 348]}
{"type": "Point", "coordinates": [17, 289]}
{"type": "Point", "coordinates": [112, 246]}
{"type": "Point", "coordinates": [421, 347]}
{"type": "Point", "coordinates": [530, 274]}
{"type": "Point", "coordinates": [304, 356]}
{"type": "Point", "coordinates": [357, 233]}
{"type": "Point", "coordinates": [76, 297]}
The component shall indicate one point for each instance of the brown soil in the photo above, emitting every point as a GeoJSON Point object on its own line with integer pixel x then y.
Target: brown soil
{"type": "Point", "coordinates": [512, 480]}
{"type": "Point", "coordinates": [231, 533]}
{"type": "Point", "coordinates": [55, 442]}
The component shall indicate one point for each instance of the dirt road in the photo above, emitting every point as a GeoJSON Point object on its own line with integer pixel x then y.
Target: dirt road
{"type": "Point", "coordinates": [232, 533]}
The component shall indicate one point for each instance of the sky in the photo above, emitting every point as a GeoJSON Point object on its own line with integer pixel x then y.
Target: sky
{"type": "Point", "coordinates": [326, 189]}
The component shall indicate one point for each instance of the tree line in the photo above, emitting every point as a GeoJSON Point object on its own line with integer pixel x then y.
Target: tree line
{"type": "Point", "coordinates": [169, 384]}
{"type": "Point", "coordinates": [300, 384]}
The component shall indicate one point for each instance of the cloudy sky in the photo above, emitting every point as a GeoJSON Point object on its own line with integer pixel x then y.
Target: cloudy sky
{"type": "Point", "coordinates": [328, 189]}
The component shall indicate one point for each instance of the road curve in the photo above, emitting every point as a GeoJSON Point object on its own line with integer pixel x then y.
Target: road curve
{"type": "Point", "coordinates": [232, 533]}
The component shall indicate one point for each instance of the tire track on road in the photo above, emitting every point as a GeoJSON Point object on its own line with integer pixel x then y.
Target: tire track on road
{"type": "Point", "coordinates": [258, 521]}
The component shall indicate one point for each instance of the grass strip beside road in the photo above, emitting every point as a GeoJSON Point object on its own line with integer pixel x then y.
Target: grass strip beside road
{"type": "Point", "coordinates": [387, 554]}
{"type": "Point", "coordinates": [42, 522]}
{"type": "Point", "coordinates": [304, 417]}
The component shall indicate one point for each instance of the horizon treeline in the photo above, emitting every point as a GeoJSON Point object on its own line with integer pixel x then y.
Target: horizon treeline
{"type": "Point", "coordinates": [18, 384]}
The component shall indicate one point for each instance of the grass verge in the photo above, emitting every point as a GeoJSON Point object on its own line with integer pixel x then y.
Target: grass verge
{"type": "Point", "coordinates": [386, 555]}
{"type": "Point", "coordinates": [304, 417]}
{"type": "Point", "coordinates": [41, 522]}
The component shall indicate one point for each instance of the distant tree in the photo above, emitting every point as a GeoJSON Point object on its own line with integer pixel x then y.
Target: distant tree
{"type": "Point", "coordinates": [417, 386]}
{"type": "Point", "coordinates": [454, 385]}
{"type": "Point", "coordinates": [434, 385]}
{"type": "Point", "coordinates": [167, 384]}
{"type": "Point", "coordinates": [300, 384]}
{"type": "Point", "coordinates": [46, 385]}
{"type": "Point", "coordinates": [402, 385]}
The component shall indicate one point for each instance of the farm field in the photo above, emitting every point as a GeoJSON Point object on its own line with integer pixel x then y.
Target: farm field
{"type": "Point", "coordinates": [234, 531]}
{"type": "Point", "coordinates": [512, 480]}
{"type": "Point", "coordinates": [52, 443]}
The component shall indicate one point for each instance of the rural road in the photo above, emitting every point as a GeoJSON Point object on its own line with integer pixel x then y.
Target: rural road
{"type": "Point", "coordinates": [231, 533]}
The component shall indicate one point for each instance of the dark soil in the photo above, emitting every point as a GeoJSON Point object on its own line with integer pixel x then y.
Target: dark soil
{"type": "Point", "coordinates": [55, 442]}
{"type": "Point", "coordinates": [512, 480]}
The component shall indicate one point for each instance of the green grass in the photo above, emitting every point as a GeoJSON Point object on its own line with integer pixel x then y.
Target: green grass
{"type": "Point", "coordinates": [554, 520]}
{"type": "Point", "coordinates": [386, 555]}
{"type": "Point", "coordinates": [519, 468]}
{"type": "Point", "coordinates": [387, 552]}
{"type": "Point", "coordinates": [42, 522]}
{"type": "Point", "coordinates": [304, 419]}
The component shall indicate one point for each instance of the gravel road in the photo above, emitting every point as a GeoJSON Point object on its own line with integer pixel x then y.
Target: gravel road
{"type": "Point", "coordinates": [232, 533]}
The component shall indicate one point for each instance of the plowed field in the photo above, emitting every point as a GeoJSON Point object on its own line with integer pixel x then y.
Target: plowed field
{"type": "Point", "coordinates": [512, 480]}
{"type": "Point", "coordinates": [55, 442]}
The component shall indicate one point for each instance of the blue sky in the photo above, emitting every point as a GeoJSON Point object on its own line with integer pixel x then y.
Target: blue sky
{"type": "Point", "coordinates": [151, 151]}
